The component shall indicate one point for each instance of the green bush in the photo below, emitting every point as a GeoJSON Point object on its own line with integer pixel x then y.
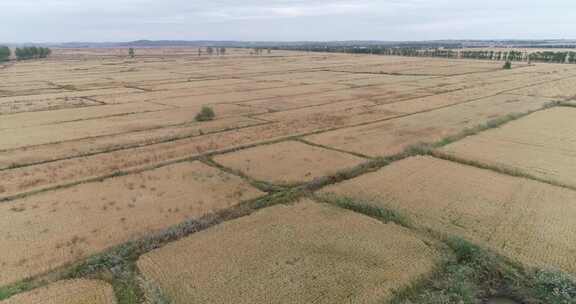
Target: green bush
{"type": "Point", "coordinates": [205, 114]}
{"type": "Point", "coordinates": [507, 65]}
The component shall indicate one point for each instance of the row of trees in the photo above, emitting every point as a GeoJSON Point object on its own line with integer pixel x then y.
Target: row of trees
{"type": "Point", "coordinates": [260, 51]}
{"type": "Point", "coordinates": [512, 55]}
{"type": "Point", "coordinates": [33, 52]}
{"type": "Point", "coordinates": [549, 56]}
{"type": "Point", "coordinates": [210, 51]}
{"type": "Point", "coordinates": [4, 53]}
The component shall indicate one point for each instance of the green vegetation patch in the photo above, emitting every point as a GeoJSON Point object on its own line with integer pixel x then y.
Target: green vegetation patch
{"type": "Point", "coordinates": [475, 275]}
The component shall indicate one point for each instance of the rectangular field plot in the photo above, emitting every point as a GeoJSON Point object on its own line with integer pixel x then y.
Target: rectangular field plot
{"type": "Point", "coordinates": [305, 253]}
{"type": "Point", "coordinates": [30, 178]}
{"type": "Point", "coordinates": [394, 135]}
{"type": "Point", "coordinates": [523, 219]}
{"type": "Point", "coordinates": [68, 94]}
{"type": "Point", "coordinates": [107, 126]}
{"type": "Point", "coordinates": [110, 162]}
{"type": "Point", "coordinates": [288, 162]}
{"type": "Point", "coordinates": [10, 107]}
{"type": "Point", "coordinates": [560, 89]}
{"type": "Point", "coordinates": [542, 144]}
{"type": "Point", "coordinates": [23, 120]}
{"type": "Point", "coordinates": [53, 228]}
{"type": "Point", "coordinates": [287, 103]}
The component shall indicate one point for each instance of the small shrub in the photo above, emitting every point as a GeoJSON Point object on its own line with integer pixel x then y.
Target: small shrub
{"type": "Point", "coordinates": [205, 114]}
{"type": "Point", "coordinates": [507, 65]}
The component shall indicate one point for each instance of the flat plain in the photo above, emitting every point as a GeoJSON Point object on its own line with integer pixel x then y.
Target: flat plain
{"type": "Point", "coordinates": [99, 152]}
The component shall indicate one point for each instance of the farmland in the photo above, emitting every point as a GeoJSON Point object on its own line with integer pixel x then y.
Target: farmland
{"type": "Point", "coordinates": [322, 178]}
{"type": "Point", "coordinates": [302, 242]}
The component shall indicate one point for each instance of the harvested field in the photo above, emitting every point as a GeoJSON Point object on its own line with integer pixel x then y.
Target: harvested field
{"type": "Point", "coordinates": [51, 174]}
{"type": "Point", "coordinates": [68, 292]}
{"type": "Point", "coordinates": [542, 145]}
{"type": "Point", "coordinates": [50, 229]}
{"type": "Point", "coordinates": [523, 219]}
{"type": "Point", "coordinates": [305, 253]}
{"type": "Point", "coordinates": [107, 126]}
{"type": "Point", "coordinates": [30, 119]}
{"type": "Point", "coordinates": [339, 113]}
{"type": "Point", "coordinates": [288, 162]}
{"type": "Point", "coordinates": [561, 89]}
{"type": "Point", "coordinates": [392, 136]}
{"type": "Point", "coordinates": [10, 107]}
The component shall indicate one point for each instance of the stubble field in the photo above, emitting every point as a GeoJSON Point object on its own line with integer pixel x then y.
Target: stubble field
{"type": "Point", "coordinates": [106, 177]}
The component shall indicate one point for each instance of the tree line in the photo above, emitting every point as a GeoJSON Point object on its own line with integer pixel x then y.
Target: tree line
{"type": "Point", "coordinates": [4, 53]}
{"type": "Point", "coordinates": [211, 50]}
{"type": "Point", "coordinates": [32, 52]}
{"type": "Point", "coordinates": [497, 55]}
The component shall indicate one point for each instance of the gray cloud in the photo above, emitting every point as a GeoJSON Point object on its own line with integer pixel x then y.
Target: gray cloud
{"type": "Point", "coordinates": [120, 20]}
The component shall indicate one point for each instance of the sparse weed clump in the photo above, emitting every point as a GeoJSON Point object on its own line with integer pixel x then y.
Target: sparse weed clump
{"type": "Point", "coordinates": [8, 291]}
{"type": "Point", "coordinates": [507, 65]}
{"type": "Point", "coordinates": [369, 209]}
{"type": "Point", "coordinates": [555, 287]}
{"type": "Point", "coordinates": [206, 114]}
{"type": "Point", "coordinates": [466, 279]}
{"type": "Point", "coordinates": [476, 274]}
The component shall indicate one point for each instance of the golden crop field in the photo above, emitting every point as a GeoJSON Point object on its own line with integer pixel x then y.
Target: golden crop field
{"type": "Point", "coordinates": [51, 229]}
{"type": "Point", "coordinates": [542, 145]}
{"type": "Point", "coordinates": [112, 190]}
{"type": "Point", "coordinates": [296, 252]}
{"type": "Point", "coordinates": [524, 219]}
{"type": "Point", "coordinates": [288, 162]}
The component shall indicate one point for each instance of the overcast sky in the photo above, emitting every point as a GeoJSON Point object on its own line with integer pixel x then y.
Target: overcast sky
{"type": "Point", "coordinates": [126, 20]}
